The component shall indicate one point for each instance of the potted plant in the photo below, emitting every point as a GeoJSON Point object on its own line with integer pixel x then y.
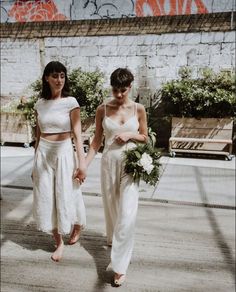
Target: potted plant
{"type": "Point", "coordinates": [18, 122]}
{"type": "Point", "coordinates": [210, 96]}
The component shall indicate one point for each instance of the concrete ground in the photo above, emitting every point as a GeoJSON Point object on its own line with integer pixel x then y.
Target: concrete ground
{"type": "Point", "coordinates": [180, 245]}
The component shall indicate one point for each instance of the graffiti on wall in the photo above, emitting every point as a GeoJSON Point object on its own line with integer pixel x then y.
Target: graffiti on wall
{"type": "Point", "coordinates": [37, 10]}
{"type": "Point", "coordinates": [129, 8]}
{"type": "Point", "coordinates": [49, 10]}
{"type": "Point", "coordinates": [171, 7]}
{"type": "Point", "coordinates": [4, 14]}
{"type": "Point", "coordinates": [106, 9]}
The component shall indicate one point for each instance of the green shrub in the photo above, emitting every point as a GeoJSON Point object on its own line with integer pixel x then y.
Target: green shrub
{"type": "Point", "coordinates": [212, 95]}
{"type": "Point", "coordinates": [86, 87]}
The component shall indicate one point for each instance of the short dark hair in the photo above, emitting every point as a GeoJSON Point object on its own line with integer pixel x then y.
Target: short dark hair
{"type": "Point", "coordinates": [121, 77]}
{"type": "Point", "coordinates": [53, 67]}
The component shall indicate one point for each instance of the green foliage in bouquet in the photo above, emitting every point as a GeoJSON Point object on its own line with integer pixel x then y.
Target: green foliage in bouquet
{"type": "Point", "coordinates": [142, 162]}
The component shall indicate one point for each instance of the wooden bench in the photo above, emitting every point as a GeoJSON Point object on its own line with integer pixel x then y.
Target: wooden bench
{"type": "Point", "coordinates": [204, 136]}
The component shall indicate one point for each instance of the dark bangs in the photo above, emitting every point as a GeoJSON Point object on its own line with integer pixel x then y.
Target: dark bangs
{"type": "Point", "coordinates": [121, 77]}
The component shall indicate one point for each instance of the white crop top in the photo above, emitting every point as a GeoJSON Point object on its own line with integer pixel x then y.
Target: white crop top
{"type": "Point", "coordinates": [54, 114]}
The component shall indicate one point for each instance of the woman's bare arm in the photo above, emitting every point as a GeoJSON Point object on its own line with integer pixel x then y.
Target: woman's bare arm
{"type": "Point", "coordinates": [98, 137]}
{"type": "Point", "coordinates": [76, 128]}
{"type": "Point", "coordinates": [37, 134]}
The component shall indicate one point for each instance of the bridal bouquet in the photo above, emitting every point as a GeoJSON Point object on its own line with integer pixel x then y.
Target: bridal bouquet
{"type": "Point", "coordinates": [142, 162]}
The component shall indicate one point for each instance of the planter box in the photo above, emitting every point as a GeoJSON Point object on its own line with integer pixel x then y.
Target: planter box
{"type": "Point", "coordinates": [204, 136]}
{"type": "Point", "coordinates": [16, 129]}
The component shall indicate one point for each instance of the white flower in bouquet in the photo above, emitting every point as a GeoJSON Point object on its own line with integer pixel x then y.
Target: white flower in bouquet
{"type": "Point", "coordinates": [142, 162]}
{"type": "Point", "coordinates": [146, 162]}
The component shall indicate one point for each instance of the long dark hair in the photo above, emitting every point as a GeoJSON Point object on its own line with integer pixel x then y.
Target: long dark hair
{"type": "Point", "coordinates": [53, 67]}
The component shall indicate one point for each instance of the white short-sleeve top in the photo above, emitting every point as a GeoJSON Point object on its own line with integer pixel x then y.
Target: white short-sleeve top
{"type": "Point", "coordinates": [54, 114]}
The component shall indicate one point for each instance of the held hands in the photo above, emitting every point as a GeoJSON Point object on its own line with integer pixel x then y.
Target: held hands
{"type": "Point", "coordinates": [123, 138]}
{"type": "Point", "coordinates": [80, 175]}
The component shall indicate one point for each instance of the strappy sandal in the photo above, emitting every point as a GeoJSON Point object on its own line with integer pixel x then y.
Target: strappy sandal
{"type": "Point", "coordinates": [118, 282]}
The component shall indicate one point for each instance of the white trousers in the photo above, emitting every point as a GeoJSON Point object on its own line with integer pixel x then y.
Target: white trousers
{"type": "Point", "coordinates": [58, 201]}
{"type": "Point", "coordinates": [120, 200]}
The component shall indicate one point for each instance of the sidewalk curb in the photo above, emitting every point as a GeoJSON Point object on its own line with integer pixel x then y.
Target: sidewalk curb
{"type": "Point", "coordinates": [164, 201]}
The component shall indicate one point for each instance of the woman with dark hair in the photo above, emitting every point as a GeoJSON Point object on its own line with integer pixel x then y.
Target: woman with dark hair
{"type": "Point", "coordinates": [123, 122]}
{"type": "Point", "coordinates": [58, 206]}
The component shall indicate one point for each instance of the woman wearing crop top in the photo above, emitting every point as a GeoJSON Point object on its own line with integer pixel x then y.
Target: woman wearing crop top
{"type": "Point", "coordinates": [123, 122]}
{"type": "Point", "coordinates": [58, 206]}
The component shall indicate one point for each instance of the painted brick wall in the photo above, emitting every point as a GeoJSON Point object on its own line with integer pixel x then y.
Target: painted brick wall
{"type": "Point", "coordinates": [152, 58]}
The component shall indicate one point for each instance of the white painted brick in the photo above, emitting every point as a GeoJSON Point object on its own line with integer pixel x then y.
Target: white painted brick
{"type": "Point", "coordinates": [212, 37]}
{"type": "Point", "coordinates": [127, 50]}
{"type": "Point", "coordinates": [135, 61]}
{"type": "Point", "coordinates": [107, 51]}
{"type": "Point", "coordinates": [192, 58]}
{"type": "Point", "coordinates": [141, 82]}
{"type": "Point", "coordinates": [219, 6]}
{"type": "Point", "coordinates": [15, 85]}
{"type": "Point", "coordinates": [112, 63]}
{"type": "Point", "coordinates": [203, 60]}
{"type": "Point", "coordinates": [19, 44]}
{"type": "Point", "coordinates": [143, 71]}
{"type": "Point", "coordinates": [229, 37]}
{"type": "Point", "coordinates": [233, 61]}
{"type": "Point", "coordinates": [165, 72]}
{"type": "Point", "coordinates": [228, 48]}
{"type": "Point", "coordinates": [146, 50]}
{"type": "Point", "coordinates": [149, 39]}
{"type": "Point", "coordinates": [88, 51]}
{"type": "Point", "coordinates": [157, 61]}
{"type": "Point", "coordinates": [167, 50]}
{"type": "Point", "coordinates": [206, 49]}
{"type": "Point", "coordinates": [222, 61]}
{"type": "Point", "coordinates": [54, 42]}
{"type": "Point", "coordinates": [108, 41]}
{"type": "Point", "coordinates": [79, 41]}
{"type": "Point", "coordinates": [97, 61]}
{"type": "Point", "coordinates": [68, 51]}
{"type": "Point", "coordinates": [152, 82]}
{"type": "Point", "coordinates": [127, 40]}
{"type": "Point", "coordinates": [192, 38]}
{"type": "Point", "coordinates": [79, 61]}
{"type": "Point", "coordinates": [163, 54]}
{"type": "Point", "coordinates": [178, 61]}
{"type": "Point", "coordinates": [171, 38]}
{"type": "Point", "coordinates": [53, 52]}
{"type": "Point", "coordinates": [187, 49]}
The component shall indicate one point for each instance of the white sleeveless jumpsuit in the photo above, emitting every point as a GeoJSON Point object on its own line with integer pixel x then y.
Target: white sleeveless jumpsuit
{"type": "Point", "coordinates": [120, 193]}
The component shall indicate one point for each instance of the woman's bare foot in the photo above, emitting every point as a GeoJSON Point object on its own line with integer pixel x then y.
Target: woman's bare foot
{"type": "Point", "coordinates": [57, 255]}
{"type": "Point", "coordinates": [75, 234]}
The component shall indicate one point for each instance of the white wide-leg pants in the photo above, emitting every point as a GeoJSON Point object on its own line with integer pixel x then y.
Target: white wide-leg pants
{"type": "Point", "coordinates": [120, 200]}
{"type": "Point", "coordinates": [58, 201]}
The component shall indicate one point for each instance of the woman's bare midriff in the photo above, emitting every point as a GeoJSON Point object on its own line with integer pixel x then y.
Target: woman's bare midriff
{"type": "Point", "coordinates": [56, 136]}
